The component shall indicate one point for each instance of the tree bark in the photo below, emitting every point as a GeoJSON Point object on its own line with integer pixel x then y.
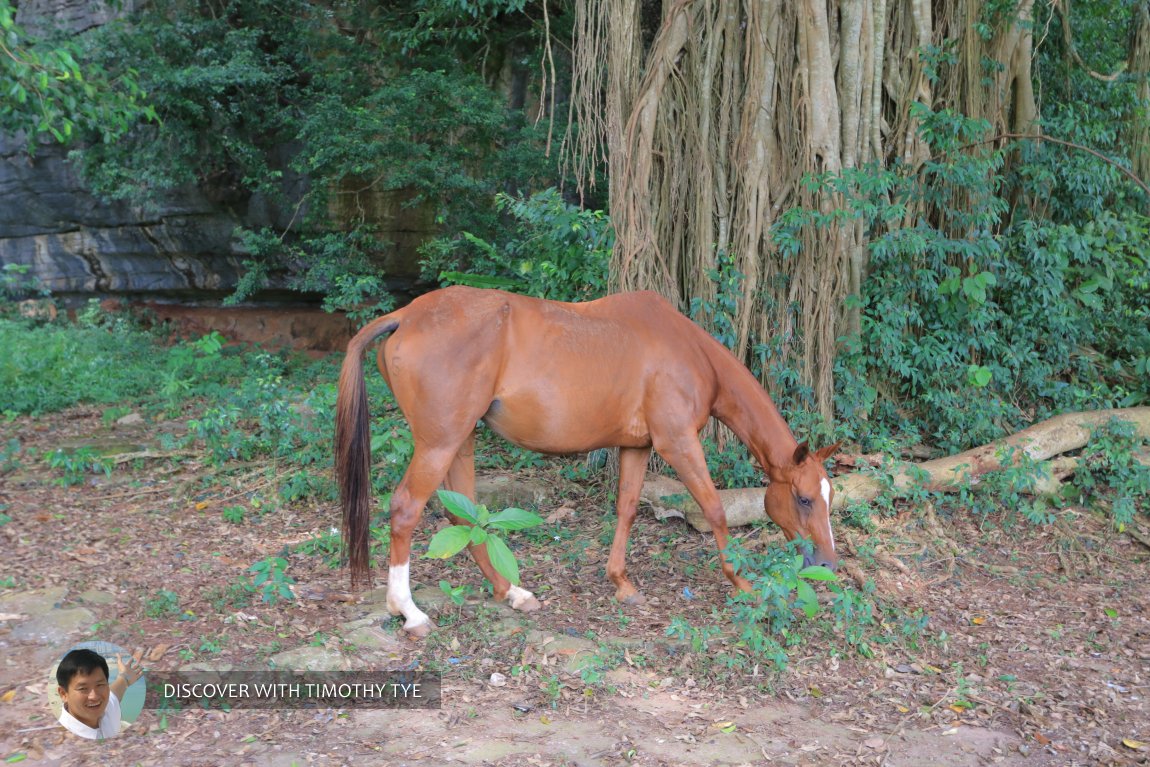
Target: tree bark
{"type": "Point", "coordinates": [1041, 443]}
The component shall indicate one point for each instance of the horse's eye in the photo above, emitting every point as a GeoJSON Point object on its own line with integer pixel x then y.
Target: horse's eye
{"type": "Point", "coordinates": [804, 500]}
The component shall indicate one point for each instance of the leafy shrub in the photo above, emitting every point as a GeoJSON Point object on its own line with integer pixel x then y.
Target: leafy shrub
{"type": "Point", "coordinates": [556, 250]}
{"type": "Point", "coordinates": [1111, 474]}
{"type": "Point", "coordinates": [973, 324]}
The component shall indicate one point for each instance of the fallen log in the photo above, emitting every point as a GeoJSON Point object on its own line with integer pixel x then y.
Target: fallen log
{"type": "Point", "coordinates": [1040, 443]}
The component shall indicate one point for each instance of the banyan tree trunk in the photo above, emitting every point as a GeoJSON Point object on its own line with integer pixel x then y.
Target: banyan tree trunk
{"type": "Point", "coordinates": [709, 131]}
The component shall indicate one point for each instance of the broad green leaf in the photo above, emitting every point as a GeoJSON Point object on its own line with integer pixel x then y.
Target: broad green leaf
{"type": "Point", "coordinates": [502, 559]}
{"type": "Point", "coordinates": [478, 535]}
{"type": "Point", "coordinates": [807, 599]}
{"type": "Point", "coordinates": [459, 505]}
{"type": "Point", "coordinates": [514, 519]}
{"type": "Point", "coordinates": [818, 573]}
{"type": "Point", "coordinates": [978, 375]}
{"type": "Point", "coordinates": [449, 541]}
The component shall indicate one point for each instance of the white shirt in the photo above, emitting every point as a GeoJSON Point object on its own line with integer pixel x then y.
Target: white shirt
{"type": "Point", "coordinates": [109, 722]}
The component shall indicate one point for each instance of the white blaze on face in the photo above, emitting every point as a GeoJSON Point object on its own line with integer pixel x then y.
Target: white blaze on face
{"type": "Point", "coordinates": [399, 596]}
{"type": "Point", "coordinates": [825, 486]}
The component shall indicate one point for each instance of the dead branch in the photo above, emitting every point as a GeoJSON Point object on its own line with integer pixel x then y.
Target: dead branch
{"type": "Point", "coordinates": [1041, 443]}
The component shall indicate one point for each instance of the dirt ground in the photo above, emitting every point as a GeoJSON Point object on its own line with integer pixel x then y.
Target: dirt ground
{"type": "Point", "coordinates": [1036, 650]}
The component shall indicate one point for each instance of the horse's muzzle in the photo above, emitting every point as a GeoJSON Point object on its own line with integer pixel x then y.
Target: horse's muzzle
{"type": "Point", "coordinates": [817, 559]}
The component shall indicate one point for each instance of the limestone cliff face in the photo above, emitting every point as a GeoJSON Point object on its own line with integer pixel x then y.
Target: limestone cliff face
{"type": "Point", "coordinates": [181, 246]}
{"type": "Point", "coordinates": [76, 243]}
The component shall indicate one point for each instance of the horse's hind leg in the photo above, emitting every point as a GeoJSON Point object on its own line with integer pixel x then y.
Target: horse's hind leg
{"type": "Point", "coordinates": [424, 474]}
{"type": "Point", "coordinates": [461, 479]}
{"type": "Point", "coordinates": [632, 471]}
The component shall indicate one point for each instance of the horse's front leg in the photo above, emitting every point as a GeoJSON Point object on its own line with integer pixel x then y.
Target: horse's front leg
{"type": "Point", "coordinates": [688, 460]}
{"type": "Point", "coordinates": [461, 479]}
{"type": "Point", "coordinates": [632, 472]}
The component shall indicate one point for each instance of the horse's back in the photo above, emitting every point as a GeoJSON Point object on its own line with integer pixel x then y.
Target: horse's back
{"type": "Point", "coordinates": [460, 310]}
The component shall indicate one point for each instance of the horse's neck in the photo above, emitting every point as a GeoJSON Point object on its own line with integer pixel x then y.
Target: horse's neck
{"type": "Point", "coordinates": [746, 408]}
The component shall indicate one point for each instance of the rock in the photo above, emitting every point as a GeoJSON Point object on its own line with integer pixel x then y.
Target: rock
{"type": "Point", "coordinates": [499, 491]}
{"type": "Point", "coordinates": [310, 658]}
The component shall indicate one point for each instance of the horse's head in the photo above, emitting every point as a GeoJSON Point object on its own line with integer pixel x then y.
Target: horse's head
{"type": "Point", "coordinates": [798, 499]}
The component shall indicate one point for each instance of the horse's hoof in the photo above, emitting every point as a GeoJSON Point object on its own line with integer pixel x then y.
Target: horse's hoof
{"type": "Point", "coordinates": [419, 630]}
{"type": "Point", "coordinates": [528, 605]}
{"type": "Point", "coordinates": [522, 600]}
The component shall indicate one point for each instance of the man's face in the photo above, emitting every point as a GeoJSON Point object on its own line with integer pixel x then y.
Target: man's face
{"type": "Point", "coordinates": [87, 696]}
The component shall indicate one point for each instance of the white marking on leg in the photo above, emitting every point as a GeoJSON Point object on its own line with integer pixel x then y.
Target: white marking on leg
{"type": "Point", "coordinates": [517, 596]}
{"type": "Point", "coordinates": [399, 596]}
{"type": "Point", "coordinates": [825, 486]}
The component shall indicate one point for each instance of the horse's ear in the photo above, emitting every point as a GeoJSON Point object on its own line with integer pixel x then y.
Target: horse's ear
{"type": "Point", "coordinates": [801, 453]}
{"type": "Point", "coordinates": [824, 453]}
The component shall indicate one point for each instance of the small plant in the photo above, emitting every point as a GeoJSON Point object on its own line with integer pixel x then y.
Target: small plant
{"type": "Point", "coordinates": [271, 579]}
{"type": "Point", "coordinates": [457, 594]}
{"type": "Point", "coordinates": [234, 596]}
{"type": "Point", "coordinates": [211, 645]}
{"type": "Point", "coordinates": [699, 637]}
{"type": "Point", "coordinates": [451, 540]}
{"type": "Point", "coordinates": [234, 514]}
{"type": "Point", "coordinates": [77, 464]}
{"type": "Point", "coordinates": [163, 604]}
{"type": "Point", "coordinates": [10, 455]}
{"type": "Point", "coordinates": [962, 691]}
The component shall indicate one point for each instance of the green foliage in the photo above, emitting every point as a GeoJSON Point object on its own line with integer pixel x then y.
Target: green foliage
{"type": "Point", "coordinates": [975, 323]}
{"type": "Point", "coordinates": [233, 514]}
{"type": "Point", "coordinates": [480, 531]}
{"type": "Point", "coordinates": [15, 284]}
{"type": "Point", "coordinates": [330, 119]}
{"type": "Point", "coordinates": [1111, 474]}
{"type": "Point", "coordinates": [77, 464]}
{"type": "Point", "coordinates": [783, 610]}
{"type": "Point", "coordinates": [52, 86]}
{"type": "Point", "coordinates": [163, 604]}
{"type": "Point", "coordinates": [731, 466]}
{"type": "Point", "coordinates": [780, 584]}
{"type": "Point", "coordinates": [271, 581]}
{"type": "Point", "coordinates": [717, 314]}
{"type": "Point", "coordinates": [555, 250]}
{"type": "Point", "coordinates": [54, 367]}
{"type": "Point", "coordinates": [10, 455]}
{"type": "Point", "coordinates": [1073, 186]}
{"type": "Point", "coordinates": [457, 594]}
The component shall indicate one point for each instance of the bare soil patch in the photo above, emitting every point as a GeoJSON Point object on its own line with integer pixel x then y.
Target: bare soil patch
{"type": "Point", "coordinates": [1037, 649]}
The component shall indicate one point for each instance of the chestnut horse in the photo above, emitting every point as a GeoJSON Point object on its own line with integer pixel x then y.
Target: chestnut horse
{"type": "Point", "coordinates": [627, 371]}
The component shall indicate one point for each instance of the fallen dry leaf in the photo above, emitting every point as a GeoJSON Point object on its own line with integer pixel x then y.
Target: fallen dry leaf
{"type": "Point", "coordinates": [1135, 745]}
{"type": "Point", "coordinates": [561, 513]}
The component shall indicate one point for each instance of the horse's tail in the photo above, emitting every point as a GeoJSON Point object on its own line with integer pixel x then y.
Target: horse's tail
{"type": "Point", "coordinates": [353, 449]}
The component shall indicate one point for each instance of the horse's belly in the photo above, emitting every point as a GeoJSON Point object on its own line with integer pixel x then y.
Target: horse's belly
{"type": "Point", "coordinates": [562, 427]}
